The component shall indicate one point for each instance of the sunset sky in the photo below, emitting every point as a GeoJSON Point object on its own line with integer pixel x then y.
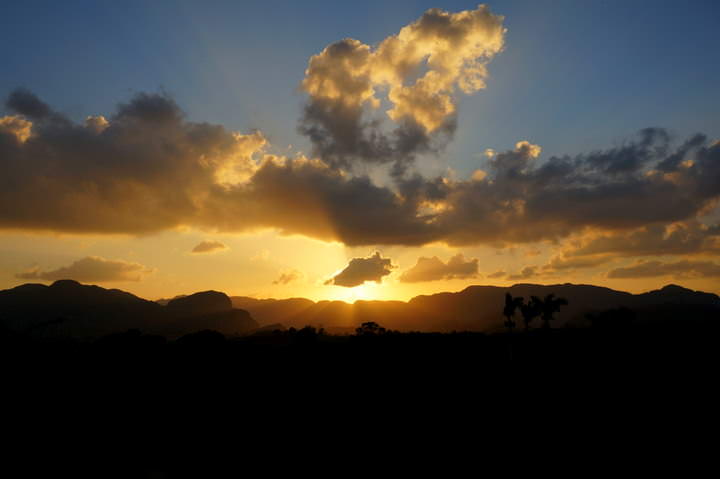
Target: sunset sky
{"type": "Point", "coordinates": [365, 150]}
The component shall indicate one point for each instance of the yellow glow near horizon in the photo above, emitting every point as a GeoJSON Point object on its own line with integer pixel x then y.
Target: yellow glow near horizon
{"type": "Point", "coordinates": [366, 291]}
{"type": "Point", "coordinates": [252, 264]}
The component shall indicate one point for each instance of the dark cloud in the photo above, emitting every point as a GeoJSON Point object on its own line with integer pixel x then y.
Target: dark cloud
{"type": "Point", "coordinates": [432, 269]}
{"type": "Point", "coordinates": [151, 108]}
{"type": "Point", "coordinates": [92, 269]}
{"type": "Point", "coordinates": [684, 269]}
{"type": "Point", "coordinates": [209, 246]}
{"type": "Point", "coordinates": [679, 238]}
{"type": "Point", "coordinates": [149, 169]}
{"type": "Point", "coordinates": [26, 103]}
{"type": "Point", "coordinates": [564, 263]}
{"type": "Point", "coordinates": [359, 270]}
{"type": "Point", "coordinates": [342, 137]}
{"type": "Point", "coordinates": [523, 201]}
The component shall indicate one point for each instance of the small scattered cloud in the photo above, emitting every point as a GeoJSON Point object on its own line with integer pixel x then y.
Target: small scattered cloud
{"type": "Point", "coordinates": [433, 269]}
{"type": "Point", "coordinates": [359, 270]}
{"type": "Point", "coordinates": [92, 269]}
{"type": "Point", "coordinates": [497, 275]}
{"type": "Point", "coordinates": [262, 255]}
{"type": "Point", "coordinates": [526, 273]}
{"type": "Point", "coordinates": [288, 277]}
{"type": "Point", "coordinates": [209, 246]}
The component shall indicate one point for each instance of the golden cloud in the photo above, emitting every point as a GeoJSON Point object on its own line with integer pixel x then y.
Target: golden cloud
{"type": "Point", "coordinates": [92, 269]}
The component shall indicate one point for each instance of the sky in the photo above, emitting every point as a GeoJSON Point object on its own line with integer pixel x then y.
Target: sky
{"type": "Point", "coordinates": [375, 150]}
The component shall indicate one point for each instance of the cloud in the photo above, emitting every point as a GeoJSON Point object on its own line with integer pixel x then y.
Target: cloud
{"type": "Point", "coordinates": [690, 237]}
{"type": "Point", "coordinates": [564, 263]}
{"type": "Point", "coordinates": [146, 168]}
{"type": "Point", "coordinates": [209, 246]}
{"type": "Point", "coordinates": [593, 250]}
{"type": "Point", "coordinates": [684, 269]}
{"type": "Point", "coordinates": [421, 68]}
{"type": "Point", "coordinates": [262, 255]}
{"type": "Point", "coordinates": [288, 277]}
{"type": "Point", "coordinates": [16, 126]}
{"type": "Point", "coordinates": [307, 197]}
{"type": "Point", "coordinates": [92, 269]}
{"type": "Point", "coordinates": [526, 201]}
{"type": "Point", "coordinates": [526, 273]}
{"type": "Point", "coordinates": [359, 270]}
{"type": "Point", "coordinates": [497, 274]}
{"type": "Point", "coordinates": [433, 269]}
{"type": "Point", "coordinates": [27, 104]}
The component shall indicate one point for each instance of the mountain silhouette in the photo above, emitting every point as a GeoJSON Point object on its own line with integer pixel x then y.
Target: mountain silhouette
{"type": "Point", "coordinates": [206, 310]}
{"type": "Point", "coordinates": [476, 308]}
{"type": "Point", "coordinates": [68, 308]}
{"type": "Point", "coordinates": [205, 302]}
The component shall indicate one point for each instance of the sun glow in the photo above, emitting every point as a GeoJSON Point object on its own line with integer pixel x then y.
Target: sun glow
{"type": "Point", "coordinates": [366, 291]}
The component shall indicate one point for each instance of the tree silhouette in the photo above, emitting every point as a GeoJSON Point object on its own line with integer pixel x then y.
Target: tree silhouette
{"type": "Point", "coordinates": [549, 306]}
{"type": "Point", "coordinates": [370, 328]}
{"type": "Point", "coordinates": [530, 310]}
{"type": "Point", "coordinates": [511, 304]}
{"type": "Point", "coordinates": [307, 335]}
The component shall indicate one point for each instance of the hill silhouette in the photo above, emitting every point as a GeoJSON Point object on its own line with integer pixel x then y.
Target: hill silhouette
{"type": "Point", "coordinates": [68, 308]}
{"type": "Point", "coordinates": [476, 308]}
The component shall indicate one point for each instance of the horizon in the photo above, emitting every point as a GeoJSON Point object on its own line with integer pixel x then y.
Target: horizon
{"type": "Point", "coordinates": [360, 152]}
{"type": "Point", "coordinates": [515, 285]}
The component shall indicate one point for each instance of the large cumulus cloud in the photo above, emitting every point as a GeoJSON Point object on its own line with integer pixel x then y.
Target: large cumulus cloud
{"type": "Point", "coordinates": [418, 71]}
{"type": "Point", "coordinates": [147, 168]}
{"type": "Point", "coordinates": [521, 200]}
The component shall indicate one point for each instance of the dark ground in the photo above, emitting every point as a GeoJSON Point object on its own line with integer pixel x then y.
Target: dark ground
{"type": "Point", "coordinates": [136, 405]}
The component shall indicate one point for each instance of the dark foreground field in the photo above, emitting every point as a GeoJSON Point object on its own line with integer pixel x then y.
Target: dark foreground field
{"type": "Point", "coordinates": [137, 405]}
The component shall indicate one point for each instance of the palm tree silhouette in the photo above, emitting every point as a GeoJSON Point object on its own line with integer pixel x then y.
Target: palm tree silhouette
{"type": "Point", "coordinates": [549, 306]}
{"type": "Point", "coordinates": [511, 304]}
{"type": "Point", "coordinates": [530, 310]}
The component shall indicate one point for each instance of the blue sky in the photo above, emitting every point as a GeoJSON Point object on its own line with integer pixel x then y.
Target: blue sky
{"type": "Point", "coordinates": [575, 75]}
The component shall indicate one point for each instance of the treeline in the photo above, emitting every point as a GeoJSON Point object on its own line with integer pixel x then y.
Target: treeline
{"type": "Point", "coordinates": [614, 336]}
